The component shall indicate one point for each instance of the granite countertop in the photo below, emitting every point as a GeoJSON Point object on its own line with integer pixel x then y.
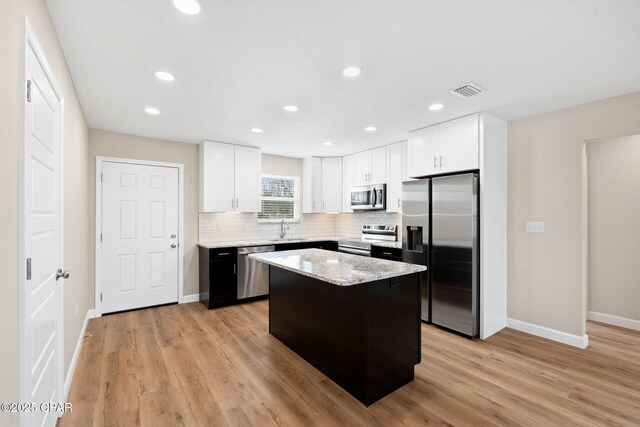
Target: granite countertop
{"type": "Point", "coordinates": [262, 242]}
{"type": "Point", "coordinates": [337, 268]}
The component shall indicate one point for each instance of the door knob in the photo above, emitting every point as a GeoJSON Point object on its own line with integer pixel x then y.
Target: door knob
{"type": "Point", "coordinates": [63, 274]}
{"type": "Point", "coordinates": [173, 246]}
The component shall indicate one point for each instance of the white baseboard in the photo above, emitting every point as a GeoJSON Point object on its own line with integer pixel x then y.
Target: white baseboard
{"type": "Point", "coordinates": [548, 333]}
{"type": "Point", "coordinates": [190, 298]}
{"type": "Point", "coordinates": [610, 319]}
{"type": "Point", "coordinates": [76, 353]}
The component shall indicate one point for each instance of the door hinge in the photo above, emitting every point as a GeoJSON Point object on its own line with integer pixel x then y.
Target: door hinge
{"type": "Point", "coordinates": [28, 268]}
{"type": "Point", "coordinates": [28, 90]}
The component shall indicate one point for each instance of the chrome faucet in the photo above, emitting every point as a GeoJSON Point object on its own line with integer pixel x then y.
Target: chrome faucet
{"type": "Point", "coordinates": [283, 232]}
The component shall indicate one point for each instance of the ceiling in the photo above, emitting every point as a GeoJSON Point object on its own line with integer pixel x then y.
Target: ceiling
{"type": "Point", "coordinates": [240, 61]}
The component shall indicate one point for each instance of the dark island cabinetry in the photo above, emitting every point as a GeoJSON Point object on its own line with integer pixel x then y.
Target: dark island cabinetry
{"type": "Point", "coordinates": [218, 276]}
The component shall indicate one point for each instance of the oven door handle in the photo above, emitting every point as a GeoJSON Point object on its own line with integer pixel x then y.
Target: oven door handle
{"type": "Point", "coordinates": [354, 251]}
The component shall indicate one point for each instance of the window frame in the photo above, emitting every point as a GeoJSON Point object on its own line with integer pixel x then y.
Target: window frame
{"type": "Point", "coordinates": [296, 200]}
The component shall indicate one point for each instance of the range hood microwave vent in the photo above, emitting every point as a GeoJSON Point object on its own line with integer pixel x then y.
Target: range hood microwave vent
{"type": "Point", "coordinates": [467, 90]}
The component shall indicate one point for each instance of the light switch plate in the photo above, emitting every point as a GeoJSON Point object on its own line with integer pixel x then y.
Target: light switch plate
{"type": "Point", "coordinates": [534, 227]}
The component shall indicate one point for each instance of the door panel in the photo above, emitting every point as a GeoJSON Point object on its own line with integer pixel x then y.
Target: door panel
{"type": "Point", "coordinates": [247, 179]}
{"type": "Point", "coordinates": [331, 184]}
{"type": "Point", "coordinates": [459, 144]}
{"type": "Point", "coordinates": [378, 172]}
{"type": "Point", "coordinates": [347, 182]}
{"type": "Point", "coordinates": [394, 177]}
{"type": "Point", "coordinates": [216, 177]}
{"type": "Point", "coordinates": [43, 245]}
{"type": "Point", "coordinates": [422, 152]}
{"type": "Point", "coordinates": [362, 168]}
{"type": "Point", "coordinates": [454, 267]}
{"type": "Point", "coordinates": [139, 226]}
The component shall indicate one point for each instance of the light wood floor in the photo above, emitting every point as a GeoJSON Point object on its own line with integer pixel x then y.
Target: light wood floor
{"type": "Point", "coordinates": [184, 365]}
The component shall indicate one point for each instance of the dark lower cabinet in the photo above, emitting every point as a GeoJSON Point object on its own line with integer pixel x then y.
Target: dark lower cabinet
{"type": "Point", "coordinates": [218, 277]}
{"type": "Point", "coordinates": [366, 337]}
{"type": "Point", "coordinates": [392, 254]}
{"type": "Point", "coordinates": [218, 272]}
{"type": "Point", "coordinates": [329, 245]}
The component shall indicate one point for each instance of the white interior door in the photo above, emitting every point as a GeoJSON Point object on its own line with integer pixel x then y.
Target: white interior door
{"type": "Point", "coordinates": [41, 331]}
{"type": "Point", "coordinates": [140, 224]}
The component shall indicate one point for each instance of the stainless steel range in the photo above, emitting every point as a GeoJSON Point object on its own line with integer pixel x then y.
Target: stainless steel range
{"type": "Point", "coordinates": [370, 233]}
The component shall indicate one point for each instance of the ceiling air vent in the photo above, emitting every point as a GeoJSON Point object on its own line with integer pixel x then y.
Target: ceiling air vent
{"type": "Point", "coordinates": [467, 90]}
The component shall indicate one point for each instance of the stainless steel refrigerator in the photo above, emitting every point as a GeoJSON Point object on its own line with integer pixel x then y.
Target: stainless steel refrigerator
{"type": "Point", "coordinates": [452, 248]}
{"type": "Point", "coordinates": [415, 233]}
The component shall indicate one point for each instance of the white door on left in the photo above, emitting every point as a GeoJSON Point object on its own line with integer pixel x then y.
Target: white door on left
{"type": "Point", "coordinates": [140, 220]}
{"type": "Point", "coordinates": [41, 328]}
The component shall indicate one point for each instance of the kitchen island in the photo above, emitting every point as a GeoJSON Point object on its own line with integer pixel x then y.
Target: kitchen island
{"type": "Point", "coordinates": [356, 319]}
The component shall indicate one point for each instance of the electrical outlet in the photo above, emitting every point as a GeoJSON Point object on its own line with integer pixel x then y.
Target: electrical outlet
{"type": "Point", "coordinates": [534, 227]}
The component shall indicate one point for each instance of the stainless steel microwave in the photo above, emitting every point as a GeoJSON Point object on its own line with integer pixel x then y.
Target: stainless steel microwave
{"type": "Point", "coordinates": [369, 198]}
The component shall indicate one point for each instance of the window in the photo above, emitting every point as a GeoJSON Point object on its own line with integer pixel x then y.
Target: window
{"type": "Point", "coordinates": [279, 198]}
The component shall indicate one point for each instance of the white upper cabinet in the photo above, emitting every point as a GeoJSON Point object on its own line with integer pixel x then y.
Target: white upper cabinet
{"type": "Point", "coordinates": [459, 144]}
{"type": "Point", "coordinates": [321, 184]}
{"type": "Point", "coordinates": [378, 173]}
{"type": "Point", "coordinates": [311, 185]}
{"type": "Point", "coordinates": [422, 152]}
{"type": "Point", "coordinates": [331, 184]}
{"type": "Point", "coordinates": [248, 161]}
{"type": "Point", "coordinates": [370, 167]}
{"type": "Point", "coordinates": [229, 178]}
{"type": "Point", "coordinates": [361, 168]}
{"type": "Point", "coordinates": [443, 148]}
{"type": "Point", "coordinates": [347, 182]}
{"type": "Point", "coordinates": [394, 177]}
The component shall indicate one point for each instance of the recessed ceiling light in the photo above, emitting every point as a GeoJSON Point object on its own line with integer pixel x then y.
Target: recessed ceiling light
{"type": "Point", "coordinates": [151, 110]}
{"type": "Point", "coordinates": [371, 128]}
{"type": "Point", "coordinates": [163, 75]}
{"type": "Point", "coordinates": [190, 7]}
{"type": "Point", "coordinates": [291, 108]}
{"type": "Point", "coordinates": [436, 107]}
{"type": "Point", "coordinates": [351, 71]}
{"type": "Point", "coordinates": [257, 130]}
{"type": "Point", "coordinates": [328, 143]}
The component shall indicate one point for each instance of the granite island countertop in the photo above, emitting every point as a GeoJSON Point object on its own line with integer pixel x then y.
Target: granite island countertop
{"type": "Point", "coordinates": [263, 242]}
{"type": "Point", "coordinates": [337, 268]}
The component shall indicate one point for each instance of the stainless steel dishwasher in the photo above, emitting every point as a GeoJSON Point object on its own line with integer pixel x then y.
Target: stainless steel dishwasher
{"type": "Point", "coordinates": [253, 276]}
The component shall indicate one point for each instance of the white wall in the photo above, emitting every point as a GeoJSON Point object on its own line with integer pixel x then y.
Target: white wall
{"type": "Point", "coordinates": [546, 272]}
{"type": "Point", "coordinates": [614, 226]}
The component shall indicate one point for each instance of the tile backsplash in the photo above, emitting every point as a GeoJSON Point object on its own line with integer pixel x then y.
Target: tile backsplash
{"type": "Point", "coordinates": [223, 227]}
{"type": "Point", "coordinates": [349, 224]}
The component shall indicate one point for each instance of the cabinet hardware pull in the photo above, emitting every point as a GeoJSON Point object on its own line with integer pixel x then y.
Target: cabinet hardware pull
{"type": "Point", "coordinates": [233, 205]}
{"type": "Point", "coordinates": [435, 162]}
{"type": "Point", "coordinates": [440, 161]}
{"type": "Point", "coordinates": [386, 253]}
{"type": "Point", "coordinates": [398, 201]}
{"type": "Point", "coordinates": [237, 203]}
{"type": "Point", "coordinates": [234, 269]}
{"type": "Point", "coordinates": [223, 253]}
